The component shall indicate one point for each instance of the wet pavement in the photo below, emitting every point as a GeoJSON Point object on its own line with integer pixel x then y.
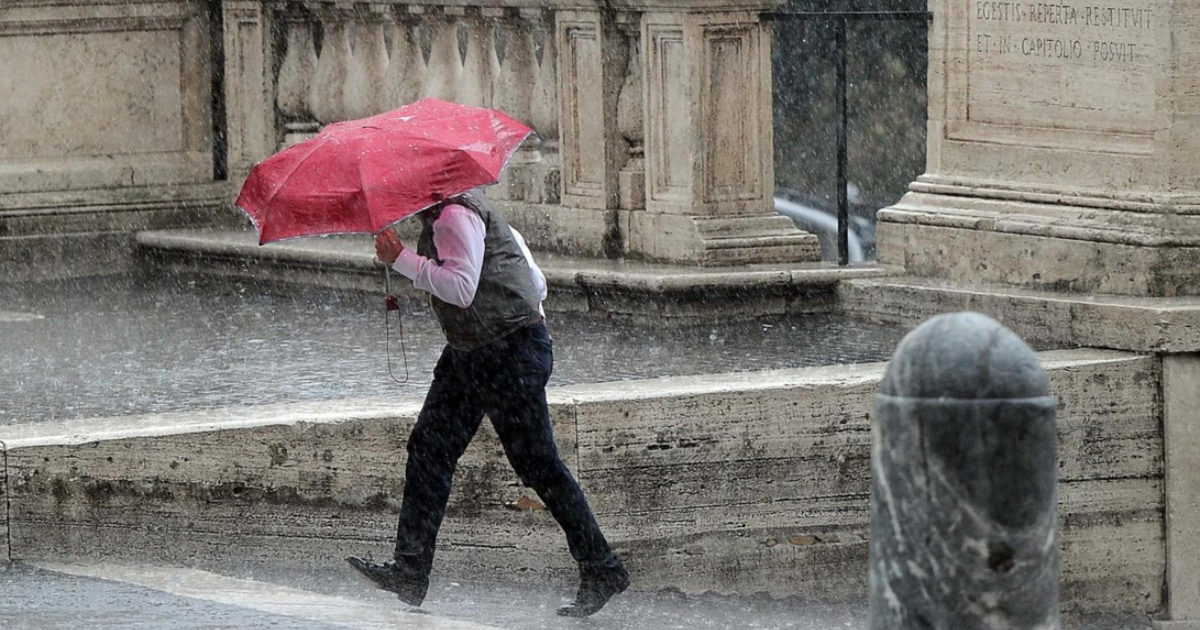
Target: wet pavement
{"type": "Point", "coordinates": [34, 599]}
{"type": "Point", "coordinates": [114, 346]}
{"type": "Point", "coordinates": [110, 597]}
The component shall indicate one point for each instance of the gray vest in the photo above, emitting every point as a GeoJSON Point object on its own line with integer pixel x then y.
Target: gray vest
{"type": "Point", "coordinates": [506, 299]}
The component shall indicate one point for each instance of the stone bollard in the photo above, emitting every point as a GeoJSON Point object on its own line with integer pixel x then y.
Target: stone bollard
{"type": "Point", "coordinates": [964, 483]}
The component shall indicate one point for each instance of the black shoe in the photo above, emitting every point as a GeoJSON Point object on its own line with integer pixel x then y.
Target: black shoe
{"type": "Point", "coordinates": [409, 586]}
{"type": "Point", "coordinates": [596, 587]}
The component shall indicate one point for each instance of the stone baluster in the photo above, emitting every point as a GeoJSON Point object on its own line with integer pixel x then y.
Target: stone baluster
{"type": "Point", "coordinates": [544, 108]}
{"type": "Point", "coordinates": [445, 63]}
{"type": "Point", "coordinates": [368, 64]}
{"type": "Point", "coordinates": [299, 64]}
{"type": "Point", "coordinates": [295, 76]}
{"type": "Point", "coordinates": [327, 92]}
{"type": "Point", "coordinates": [518, 73]}
{"type": "Point", "coordinates": [544, 116]}
{"type": "Point", "coordinates": [514, 96]}
{"type": "Point", "coordinates": [481, 67]}
{"type": "Point", "coordinates": [630, 119]}
{"type": "Point", "coordinates": [406, 71]}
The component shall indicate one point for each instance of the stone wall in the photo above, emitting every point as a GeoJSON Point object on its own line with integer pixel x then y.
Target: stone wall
{"type": "Point", "coordinates": [107, 127]}
{"type": "Point", "coordinates": [732, 483]}
{"type": "Point", "coordinates": [104, 94]}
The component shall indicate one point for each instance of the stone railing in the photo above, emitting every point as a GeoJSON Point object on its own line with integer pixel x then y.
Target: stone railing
{"type": "Point", "coordinates": [373, 58]}
{"type": "Point", "coordinates": [653, 119]}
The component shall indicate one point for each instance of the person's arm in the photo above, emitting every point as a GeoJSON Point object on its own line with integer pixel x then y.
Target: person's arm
{"type": "Point", "coordinates": [458, 236]}
{"type": "Point", "coordinates": [535, 272]}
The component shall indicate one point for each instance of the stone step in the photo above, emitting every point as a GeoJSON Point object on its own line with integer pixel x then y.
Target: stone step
{"type": "Point", "coordinates": [730, 483]}
{"type": "Point", "coordinates": [746, 227]}
{"type": "Point", "coordinates": [1045, 319]}
{"type": "Point", "coordinates": [576, 284]}
{"type": "Point", "coordinates": [48, 236]}
{"type": "Point", "coordinates": [116, 597]}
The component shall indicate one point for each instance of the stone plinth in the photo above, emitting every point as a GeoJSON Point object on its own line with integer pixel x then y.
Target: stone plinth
{"type": "Point", "coordinates": [1063, 149]}
{"type": "Point", "coordinates": [681, 171]}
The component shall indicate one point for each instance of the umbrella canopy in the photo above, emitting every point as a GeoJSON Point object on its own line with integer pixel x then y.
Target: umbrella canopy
{"type": "Point", "coordinates": [361, 176]}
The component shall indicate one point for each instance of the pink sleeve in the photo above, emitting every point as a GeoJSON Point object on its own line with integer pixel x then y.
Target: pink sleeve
{"type": "Point", "coordinates": [458, 236]}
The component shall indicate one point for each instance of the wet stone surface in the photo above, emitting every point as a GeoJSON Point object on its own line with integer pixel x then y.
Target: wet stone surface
{"type": "Point", "coordinates": [116, 346]}
{"type": "Point", "coordinates": [34, 599]}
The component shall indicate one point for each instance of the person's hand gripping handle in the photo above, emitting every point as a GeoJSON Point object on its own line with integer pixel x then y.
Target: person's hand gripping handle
{"type": "Point", "coordinates": [388, 247]}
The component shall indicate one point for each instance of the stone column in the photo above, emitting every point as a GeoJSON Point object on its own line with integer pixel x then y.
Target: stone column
{"type": "Point", "coordinates": [445, 62]}
{"type": "Point", "coordinates": [708, 140]}
{"type": "Point", "coordinates": [406, 70]}
{"type": "Point", "coordinates": [1064, 149]}
{"type": "Point", "coordinates": [630, 116]}
{"type": "Point", "coordinates": [249, 85]}
{"type": "Point", "coordinates": [295, 76]}
{"type": "Point", "coordinates": [544, 112]}
{"type": "Point", "coordinates": [364, 94]}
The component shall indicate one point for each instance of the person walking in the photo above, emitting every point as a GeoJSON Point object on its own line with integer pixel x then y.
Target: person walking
{"type": "Point", "coordinates": [486, 292]}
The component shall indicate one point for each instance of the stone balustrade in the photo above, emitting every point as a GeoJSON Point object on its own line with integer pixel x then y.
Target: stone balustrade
{"type": "Point", "coordinates": [373, 57]}
{"type": "Point", "coordinates": [653, 119]}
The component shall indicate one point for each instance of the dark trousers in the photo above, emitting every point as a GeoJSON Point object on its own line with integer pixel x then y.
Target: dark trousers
{"type": "Point", "coordinates": [506, 381]}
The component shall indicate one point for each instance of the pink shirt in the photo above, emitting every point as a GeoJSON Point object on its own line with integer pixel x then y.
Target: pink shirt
{"type": "Point", "coordinates": [458, 235]}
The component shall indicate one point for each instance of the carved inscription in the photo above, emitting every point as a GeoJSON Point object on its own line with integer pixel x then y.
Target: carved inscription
{"type": "Point", "coordinates": [1070, 66]}
{"type": "Point", "coordinates": [1106, 22]}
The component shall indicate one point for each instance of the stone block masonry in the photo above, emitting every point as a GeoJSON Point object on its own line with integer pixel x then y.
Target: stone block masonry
{"type": "Point", "coordinates": [743, 483]}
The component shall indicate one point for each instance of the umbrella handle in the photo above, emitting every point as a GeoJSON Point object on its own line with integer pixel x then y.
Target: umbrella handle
{"type": "Point", "coordinates": [391, 303]}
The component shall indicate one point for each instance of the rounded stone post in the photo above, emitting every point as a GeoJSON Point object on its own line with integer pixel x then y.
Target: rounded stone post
{"type": "Point", "coordinates": [543, 110]}
{"type": "Point", "coordinates": [631, 121]}
{"type": "Point", "coordinates": [964, 484]}
{"type": "Point", "coordinates": [518, 74]}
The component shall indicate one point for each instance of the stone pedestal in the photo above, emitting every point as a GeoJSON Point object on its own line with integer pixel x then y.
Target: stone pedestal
{"type": "Point", "coordinates": [1064, 149]}
{"type": "Point", "coordinates": [105, 126]}
{"type": "Point", "coordinates": [706, 195]}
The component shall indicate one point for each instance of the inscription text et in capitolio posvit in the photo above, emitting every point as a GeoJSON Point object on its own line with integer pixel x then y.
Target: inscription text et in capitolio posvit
{"type": "Point", "coordinates": [1090, 32]}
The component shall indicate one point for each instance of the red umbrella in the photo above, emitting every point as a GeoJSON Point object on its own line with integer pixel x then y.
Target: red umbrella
{"type": "Point", "coordinates": [361, 176]}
